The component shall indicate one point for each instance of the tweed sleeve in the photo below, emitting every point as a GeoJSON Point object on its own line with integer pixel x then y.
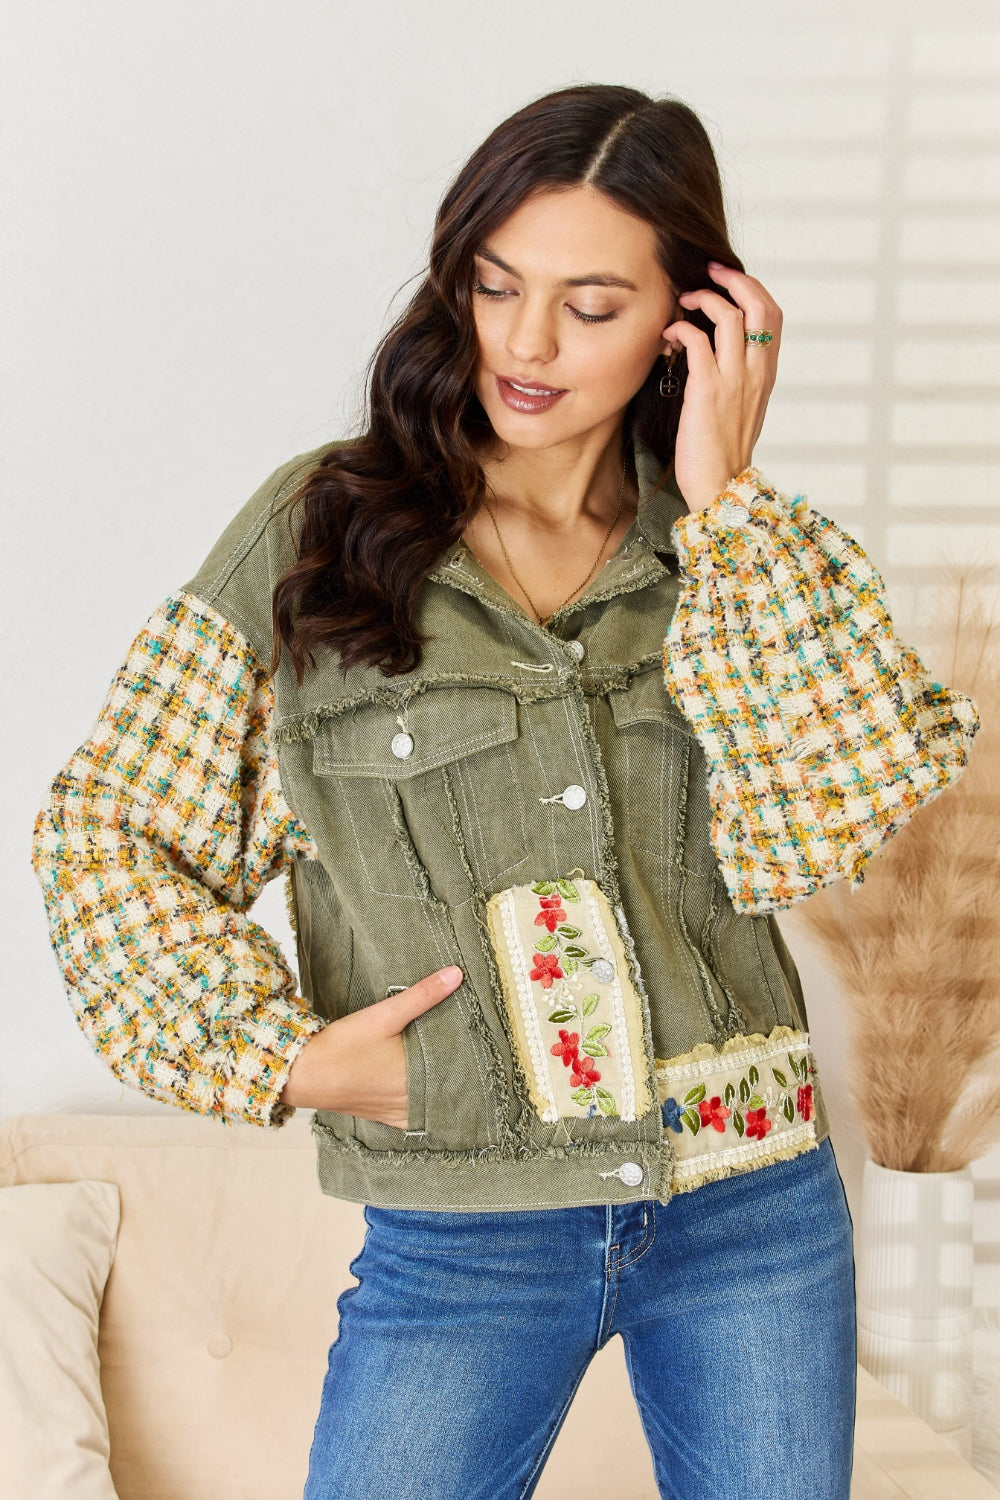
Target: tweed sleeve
{"type": "Point", "coordinates": [153, 843]}
{"type": "Point", "coordinates": [823, 732]}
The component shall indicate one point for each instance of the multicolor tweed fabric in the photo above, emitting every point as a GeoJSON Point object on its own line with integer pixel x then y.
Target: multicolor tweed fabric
{"type": "Point", "coordinates": [822, 731]}
{"type": "Point", "coordinates": [153, 843]}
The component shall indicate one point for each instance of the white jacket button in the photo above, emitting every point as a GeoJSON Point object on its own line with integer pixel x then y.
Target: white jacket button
{"type": "Point", "coordinates": [574, 797]}
{"type": "Point", "coordinates": [402, 746]}
{"type": "Point", "coordinates": [577, 649]}
{"type": "Point", "coordinates": [630, 1173]}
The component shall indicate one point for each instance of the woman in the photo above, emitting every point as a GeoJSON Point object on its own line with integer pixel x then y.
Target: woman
{"type": "Point", "coordinates": [570, 1081]}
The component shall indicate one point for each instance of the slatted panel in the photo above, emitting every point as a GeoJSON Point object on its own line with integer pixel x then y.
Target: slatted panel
{"type": "Point", "coordinates": [872, 206]}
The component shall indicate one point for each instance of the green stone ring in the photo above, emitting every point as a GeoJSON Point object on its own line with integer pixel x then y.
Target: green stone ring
{"type": "Point", "coordinates": [757, 336]}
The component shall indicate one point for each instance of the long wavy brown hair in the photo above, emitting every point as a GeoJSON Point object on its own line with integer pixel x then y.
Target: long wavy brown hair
{"type": "Point", "coordinates": [372, 519]}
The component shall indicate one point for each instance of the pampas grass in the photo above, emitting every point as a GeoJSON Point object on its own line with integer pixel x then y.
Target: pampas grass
{"type": "Point", "coordinates": [917, 946]}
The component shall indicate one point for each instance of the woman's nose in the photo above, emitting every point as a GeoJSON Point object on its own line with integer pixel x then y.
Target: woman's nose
{"type": "Point", "coordinates": [530, 335]}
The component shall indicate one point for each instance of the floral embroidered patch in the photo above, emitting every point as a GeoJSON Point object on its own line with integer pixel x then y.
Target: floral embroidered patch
{"type": "Point", "coordinates": [574, 1009]}
{"type": "Point", "coordinates": [751, 1103]}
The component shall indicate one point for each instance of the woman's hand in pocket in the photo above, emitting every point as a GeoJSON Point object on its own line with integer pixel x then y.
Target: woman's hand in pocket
{"type": "Point", "coordinates": [356, 1065]}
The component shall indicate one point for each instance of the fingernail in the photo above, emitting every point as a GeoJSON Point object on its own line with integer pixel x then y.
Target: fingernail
{"type": "Point", "coordinates": [450, 974]}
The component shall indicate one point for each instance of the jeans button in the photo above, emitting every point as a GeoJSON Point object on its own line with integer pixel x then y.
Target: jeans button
{"type": "Point", "coordinates": [574, 797]}
{"type": "Point", "coordinates": [630, 1173]}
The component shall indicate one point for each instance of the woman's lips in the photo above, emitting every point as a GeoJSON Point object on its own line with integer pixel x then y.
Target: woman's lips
{"type": "Point", "coordinates": [521, 400]}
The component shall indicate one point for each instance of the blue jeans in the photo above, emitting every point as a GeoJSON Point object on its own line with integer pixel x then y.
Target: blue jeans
{"type": "Point", "coordinates": [460, 1350]}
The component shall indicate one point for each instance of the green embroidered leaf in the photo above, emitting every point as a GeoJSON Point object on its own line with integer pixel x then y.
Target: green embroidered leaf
{"type": "Point", "coordinates": [744, 1091]}
{"type": "Point", "coordinates": [596, 1032]}
{"type": "Point", "coordinates": [795, 1065]}
{"type": "Point", "coordinates": [570, 966]}
{"type": "Point", "coordinates": [573, 951]}
{"type": "Point", "coordinates": [730, 1093]}
{"type": "Point", "coordinates": [788, 1109]}
{"type": "Point", "coordinates": [543, 888]}
{"type": "Point", "coordinates": [754, 1076]}
{"type": "Point", "coordinates": [780, 1077]}
{"type": "Point", "coordinates": [595, 1049]}
{"type": "Point", "coordinates": [547, 943]}
{"type": "Point", "coordinates": [606, 1102]}
{"type": "Point", "coordinates": [581, 1096]}
{"type": "Point", "coordinates": [755, 1102]}
{"type": "Point", "coordinates": [692, 1119]}
{"type": "Point", "coordinates": [568, 931]}
{"type": "Point", "coordinates": [738, 1122]}
{"type": "Point", "coordinates": [568, 890]}
{"type": "Point", "coordinates": [566, 1013]}
{"type": "Point", "coordinates": [695, 1095]}
{"type": "Point", "coordinates": [590, 1004]}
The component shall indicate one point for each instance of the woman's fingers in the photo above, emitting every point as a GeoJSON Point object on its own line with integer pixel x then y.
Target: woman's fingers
{"type": "Point", "coordinates": [756, 303]}
{"type": "Point", "coordinates": [396, 1011]}
{"type": "Point", "coordinates": [701, 360]}
{"type": "Point", "coordinates": [728, 320]}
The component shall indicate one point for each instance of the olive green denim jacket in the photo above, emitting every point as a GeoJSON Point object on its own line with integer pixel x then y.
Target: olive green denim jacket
{"type": "Point", "coordinates": [528, 803]}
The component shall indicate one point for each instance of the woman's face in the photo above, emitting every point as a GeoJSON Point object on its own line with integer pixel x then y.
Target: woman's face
{"type": "Point", "coordinates": [568, 296]}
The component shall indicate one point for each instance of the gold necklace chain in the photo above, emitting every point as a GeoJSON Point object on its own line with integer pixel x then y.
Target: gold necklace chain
{"type": "Point", "coordinates": [544, 619]}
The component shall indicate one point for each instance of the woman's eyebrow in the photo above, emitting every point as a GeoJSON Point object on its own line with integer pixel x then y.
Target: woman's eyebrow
{"type": "Point", "coordinates": [593, 278]}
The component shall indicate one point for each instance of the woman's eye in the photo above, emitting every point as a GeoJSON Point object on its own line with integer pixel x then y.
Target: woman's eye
{"type": "Point", "coordinates": [593, 317]}
{"type": "Point", "coordinates": [492, 291]}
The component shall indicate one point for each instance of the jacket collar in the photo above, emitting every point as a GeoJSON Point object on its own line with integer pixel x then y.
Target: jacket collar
{"type": "Point", "coordinates": [638, 560]}
{"type": "Point", "coordinates": [660, 501]}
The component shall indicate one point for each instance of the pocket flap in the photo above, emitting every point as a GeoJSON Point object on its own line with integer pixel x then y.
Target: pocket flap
{"type": "Point", "coordinates": [435, 728]}
{"type": "Point", "coordinates": [647, 699]}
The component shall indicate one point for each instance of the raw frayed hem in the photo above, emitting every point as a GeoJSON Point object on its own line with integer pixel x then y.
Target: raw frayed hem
{"type": "Point", "coordinates": [734, 1169]}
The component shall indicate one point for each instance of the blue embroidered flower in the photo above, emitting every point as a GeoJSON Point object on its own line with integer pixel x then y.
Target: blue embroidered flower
{"type": "Point", "coordinates": [671, 1113]}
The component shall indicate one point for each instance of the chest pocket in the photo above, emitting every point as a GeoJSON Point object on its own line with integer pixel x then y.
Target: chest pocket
{"type": "Point", "coordinates": [664, 775]}
{"type": "Point", "coordinates": [428, 794]}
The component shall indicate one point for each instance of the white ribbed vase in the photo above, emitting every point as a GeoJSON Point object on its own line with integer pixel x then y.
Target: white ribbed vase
{"type": "Point", "coordinates": [914, 1281]}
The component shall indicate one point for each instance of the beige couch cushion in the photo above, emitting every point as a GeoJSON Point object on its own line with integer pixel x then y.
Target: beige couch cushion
{"type": "Point", "coordinates": [221, 1306]}
{"type": "Point", "coordinates": [57, 1243]}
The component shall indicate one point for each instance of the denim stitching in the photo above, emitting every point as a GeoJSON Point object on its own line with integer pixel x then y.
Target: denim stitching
{"type": "Point", "coordinates": [666, 1489]}
{"type": "Point", "coordinates": [582, 768]}
{"type": "Point", "coordinates": [648, 1236]}
{"type": "Point", "coordinates": [606, 1316]}
{"type": "Point", "coordinates": [411, 895]}
{"type": "Point", "coordinates": [529, 1483]}
{"type": "Point", "coordinates": [707, 996]}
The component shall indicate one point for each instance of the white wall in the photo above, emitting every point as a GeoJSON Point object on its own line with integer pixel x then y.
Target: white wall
{"type": "Point", "coordinates": [209, 208]}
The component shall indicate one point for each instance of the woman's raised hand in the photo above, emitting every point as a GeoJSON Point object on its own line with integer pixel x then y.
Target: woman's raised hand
{"type": "Point", "coordinates": [727, 388]}
{"type": "Point", "coordinates": [356, 1065]}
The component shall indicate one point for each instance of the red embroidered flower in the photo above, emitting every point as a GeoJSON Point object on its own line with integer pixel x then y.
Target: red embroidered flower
{"type": "Point", "coordinates": [713, 1112]}
{"type": "Point", "coordinates": [584, 1073]}
{"type": "Point", "coordinates": [566, 1047]}
{"type": "Point", "coordinates": [757, 1124]}
{"type": "Point", "coordinates": [546, 968]}
{"type": "Point", "coordinates": [552, 912]}
{"type": "Point", "coordinates": [805, 1101]}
